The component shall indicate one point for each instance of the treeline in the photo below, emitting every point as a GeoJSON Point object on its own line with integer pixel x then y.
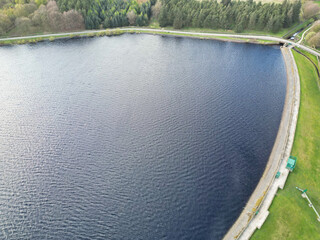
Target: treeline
{"type": "Point", "coordinates": [22, 17]}
{"type": "Point", "coordinates": [110, 13]}
{"type": "Point", "coordinates": [227, 14]}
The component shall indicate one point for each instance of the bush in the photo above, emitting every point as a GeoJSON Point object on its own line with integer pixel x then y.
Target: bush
{"type": "Point", "coordinates": [310, 35]}
{"type": "Point", "coordinates": [310, 9]}
{"type": "Point", "coordinates": [316, 26]}
{"type": "Point", "coordinates": [315, 40]}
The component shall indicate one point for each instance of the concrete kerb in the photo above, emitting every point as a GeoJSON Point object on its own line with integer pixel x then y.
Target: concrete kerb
{"type": "Point", "coordinates": [256, 211]}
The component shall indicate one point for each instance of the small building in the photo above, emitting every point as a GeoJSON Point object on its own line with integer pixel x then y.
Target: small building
{"type": "Point", "coordinates": [291, 163]}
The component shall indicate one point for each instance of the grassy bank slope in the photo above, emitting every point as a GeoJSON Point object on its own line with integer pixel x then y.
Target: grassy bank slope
{"type": "Point", "coordinates": [290, 217]}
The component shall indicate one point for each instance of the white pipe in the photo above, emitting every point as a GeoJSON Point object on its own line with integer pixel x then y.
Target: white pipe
{"type": "Point", "coordinates": [304, 195]}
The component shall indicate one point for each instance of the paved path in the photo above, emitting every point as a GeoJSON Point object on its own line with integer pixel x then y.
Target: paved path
{"type": "Point", "coordinates": [161, 31]}
{"type": "Point", "coordinates": [304, 34]}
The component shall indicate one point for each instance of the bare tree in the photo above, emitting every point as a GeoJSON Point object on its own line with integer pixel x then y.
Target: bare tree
{"type": "Point", "coordinates": [23, 25]}
{"type": "Point", "coordinates": [56, 20]}
{"type": "Point", "coordinates": [132, 16]}
{"type": "Point", "coordinates": [315, 40]}
{"type": "Point", "coordinates": [73, 20]}
{"type": "Point", "coordinates": [5, 23]}
{"type": "Point", "coordinates": [40, 17]}
{"type": "Point", "coordinates": [310, 9]}
{"type": "Point", "coordinates": [156, 9]}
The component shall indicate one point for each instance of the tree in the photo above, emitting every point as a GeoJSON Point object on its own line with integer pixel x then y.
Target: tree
{"type": "Point", "coordinates": [132, 16]}
{"type": "Point", "coordinates": [315, 40]}
{"type": "Point", "coordinates": [178, 21]}
{"type": "Point", "coordinates": [24, 10]}
{"type": "Point", "coordinates": [163, 17]}
{"type": "Point", "coordinates": [316, 26]}
{"type": "Point", "coordinates": [40, 2]}
{"type": "Point", "coordinates": [270, 24]}
{"type": "Point", "coordinates": [310, 9]}
{"type": "Point", "coordinates": [156, 9]}
{"type": "Point", "coordinates": [226, 2]}
{"type": "Point", "coordinates": [5, 23]}
{"type": "Point", "coordinates": [208, 22]}
{"type": "Point", "coordinates": [73, 20]}
{"type": "Point", "coordinates": [55, 18]}
{"type": "Point", "coordinates": [40, 17]}
{"type": "Point", "coordinates": [252, 21]}
{"type": "Point", "coordinates": [23, 25]}
{"type": "Point", "coordinates": [288, 18]}
{"type": "Point", "coordinates": [261, 21]}
{"type": "Point", "coordinates": [296, 11]}
{"type": "Point", "coordinates": [309, 36]}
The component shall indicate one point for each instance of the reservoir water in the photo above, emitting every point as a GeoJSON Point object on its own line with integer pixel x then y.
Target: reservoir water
{"type": "Point", "coordinates": [134, 137]}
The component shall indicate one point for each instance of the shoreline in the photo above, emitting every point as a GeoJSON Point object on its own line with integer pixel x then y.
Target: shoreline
{"type": "Point", "coordinates": [256, 210]}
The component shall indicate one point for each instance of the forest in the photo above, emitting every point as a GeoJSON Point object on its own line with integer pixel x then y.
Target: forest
{"type": "Point", "coordinates": [227, 14]}
{"type": "Point", "coordinates": [21, 17]}
{"type": "Point", "coordinates": [110, 13]}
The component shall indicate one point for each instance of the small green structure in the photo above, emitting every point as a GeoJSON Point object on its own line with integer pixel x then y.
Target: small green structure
{"type": "Point", "coordinates": [291, 163]}
{"type": "Point", "coordinates": [278, 174]}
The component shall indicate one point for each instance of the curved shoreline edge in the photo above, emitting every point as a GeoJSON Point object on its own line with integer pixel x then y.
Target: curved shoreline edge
{"type": "Point", "coordinates": [256, 210]}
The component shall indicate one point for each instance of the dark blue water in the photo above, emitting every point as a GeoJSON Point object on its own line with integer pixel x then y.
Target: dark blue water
{"type": "Point", "coordinates": [134, 137]}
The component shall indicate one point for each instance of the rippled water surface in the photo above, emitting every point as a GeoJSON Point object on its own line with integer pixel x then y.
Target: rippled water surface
{"type": "Point", "coordinates": [134, 137]}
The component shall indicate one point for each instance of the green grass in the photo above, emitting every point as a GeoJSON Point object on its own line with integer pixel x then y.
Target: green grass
{"type": "Point", "coordinates": [318, 2]}
{"type": "Point", "coordinates": [290, 217]}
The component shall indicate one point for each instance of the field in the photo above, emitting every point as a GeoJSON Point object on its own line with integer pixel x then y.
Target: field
{"type": "Point", "coordinates": [290, 217]}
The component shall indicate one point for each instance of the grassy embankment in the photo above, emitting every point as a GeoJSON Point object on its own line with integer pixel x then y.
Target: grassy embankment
{"type": "Point", "coordinates": [290, 216]}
